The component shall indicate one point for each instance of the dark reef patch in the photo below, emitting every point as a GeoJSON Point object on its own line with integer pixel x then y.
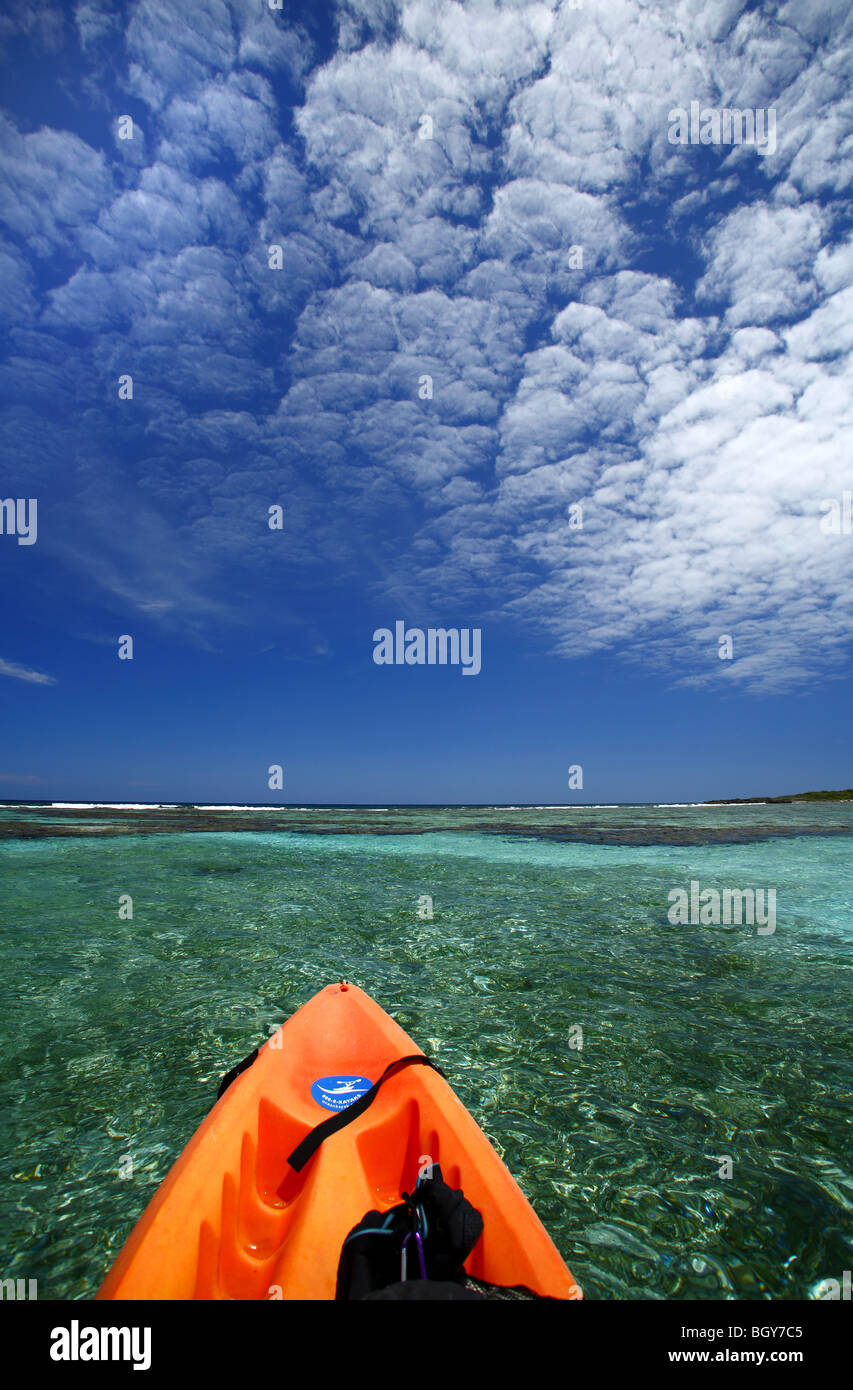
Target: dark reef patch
{"type": "Point", "coordinates": [640, 826]}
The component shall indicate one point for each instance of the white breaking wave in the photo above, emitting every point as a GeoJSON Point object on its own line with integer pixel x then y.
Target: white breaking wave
{"type": "Point", "coordinates": [115, 805]}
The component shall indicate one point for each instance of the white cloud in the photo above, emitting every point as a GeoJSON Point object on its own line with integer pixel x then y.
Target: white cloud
{"type": "Point", "coordinates": [689, 381]}
{"type": "Point", "coordinates": [16, 672]}
{"type": "Point", "coordinates": [95, 21]}
{"type": "Point", "coordinates": [51, 185]}
{"type": "Point", "coordinates": [761, 263]}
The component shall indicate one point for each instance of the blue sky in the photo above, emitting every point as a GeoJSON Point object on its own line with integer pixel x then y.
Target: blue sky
{"type": "Point", "coordinates": [686, 379]}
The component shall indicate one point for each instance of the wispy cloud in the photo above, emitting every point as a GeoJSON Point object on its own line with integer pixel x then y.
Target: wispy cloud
{"type": "Point", "coordinates": [24, 673]}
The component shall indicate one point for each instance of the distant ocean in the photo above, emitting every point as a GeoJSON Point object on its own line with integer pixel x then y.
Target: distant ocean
{"type": "Point", "coordinates": [490, 934]}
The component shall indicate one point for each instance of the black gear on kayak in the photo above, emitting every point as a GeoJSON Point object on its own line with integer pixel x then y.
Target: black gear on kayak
{"type": "Point", "coordinates": [314, 1138]}
{"type": "Point", "coordinates": [435, 1290]}
{"type": "Point", "coordinates": [448, 1228]}
{"type": "Point", "coordinates": [371, 1260]}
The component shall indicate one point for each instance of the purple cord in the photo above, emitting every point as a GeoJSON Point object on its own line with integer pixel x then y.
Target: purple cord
{"type": "Point", "coordinates": [420, 1245]}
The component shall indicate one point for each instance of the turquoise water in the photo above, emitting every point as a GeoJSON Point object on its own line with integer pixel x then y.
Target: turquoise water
{"type": "Point", "coordinates": [698, 1041]}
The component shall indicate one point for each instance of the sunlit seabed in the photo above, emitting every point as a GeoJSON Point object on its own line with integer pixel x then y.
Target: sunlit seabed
{"type": "Point", "coordinates": [698, 1042]}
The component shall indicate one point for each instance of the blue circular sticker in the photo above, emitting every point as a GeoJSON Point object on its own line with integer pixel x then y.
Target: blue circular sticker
{"type": "Point", "coordinates": [337, 1092]}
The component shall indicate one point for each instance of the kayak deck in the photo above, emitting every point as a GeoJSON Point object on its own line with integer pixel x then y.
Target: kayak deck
{"type": "Point", "coordinates": [232, 1220]}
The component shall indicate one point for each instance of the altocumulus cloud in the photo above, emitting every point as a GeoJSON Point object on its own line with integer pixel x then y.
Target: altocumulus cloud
{"type": "Point", "coordinates": [688, 379]}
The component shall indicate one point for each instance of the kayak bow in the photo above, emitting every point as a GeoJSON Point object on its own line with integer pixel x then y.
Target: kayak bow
{"type": "Point", "coordinates": [235, 1220]}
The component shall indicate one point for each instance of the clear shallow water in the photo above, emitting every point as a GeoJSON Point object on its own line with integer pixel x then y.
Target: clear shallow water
{"type": "Point", "coordinates": [699, 1041]}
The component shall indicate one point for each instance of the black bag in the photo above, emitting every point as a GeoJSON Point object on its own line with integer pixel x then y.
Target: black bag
{"type": "Point", "coordinates": [435, 1229]}
{"type": "Point", "coordinates": [417, 1250]}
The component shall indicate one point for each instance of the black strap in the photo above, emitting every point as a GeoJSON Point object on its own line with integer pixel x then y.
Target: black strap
{"type": "Point", "coordinates": [314, 1138]}
{"type": "Point", "coordinates": [235, 1072]}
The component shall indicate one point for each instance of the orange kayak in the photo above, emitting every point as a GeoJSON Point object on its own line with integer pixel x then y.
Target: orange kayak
{"type": "Point", "coordinates": [235, 1220]}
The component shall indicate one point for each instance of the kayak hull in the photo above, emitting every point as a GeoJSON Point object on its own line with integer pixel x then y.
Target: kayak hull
{"type": "Point", "coordinates": [232, 1220]}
